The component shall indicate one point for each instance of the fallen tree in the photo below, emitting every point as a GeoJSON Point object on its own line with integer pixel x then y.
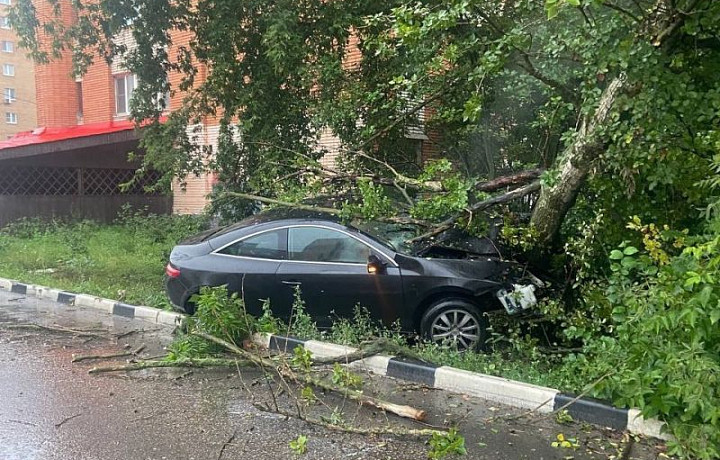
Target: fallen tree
{"type": "Point", "coordinates": [359, 396]}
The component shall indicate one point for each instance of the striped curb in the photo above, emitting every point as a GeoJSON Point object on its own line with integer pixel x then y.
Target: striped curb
{"type": "Point", "coordinates": [113, 307]}
{"type": "Point", "coordinates": [496, 389]}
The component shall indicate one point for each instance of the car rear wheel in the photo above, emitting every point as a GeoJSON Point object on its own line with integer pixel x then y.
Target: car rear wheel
{"type": "Point", "coordinates": [456, 322]}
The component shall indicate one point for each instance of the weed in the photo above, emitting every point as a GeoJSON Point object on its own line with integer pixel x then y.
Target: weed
{"type": "Point", "coordinates": [189, 347]}
{"type": "Point", "coordinates": [267, 322]}
{"type": "Point", "coordinates": [101, 260]}
{"type": "Point", "coordinates": [308, 395]}
{"type": "Point", "coordinates": [301, 359]}
{"type": "Point", "coordinates": [221, 314]}
{"type": "Point", "coordinates": [563, 417]}
{"type": "Point", "coordinates": [299, 445]}
{"type": "Point", "coordinates": [301, 324]}
{"type": "Point", "coordinates": [446, 444]}
{"type": "Point", "coordinates": [335, 418]}
{"type": "Point", "coordinates": [342, 377]}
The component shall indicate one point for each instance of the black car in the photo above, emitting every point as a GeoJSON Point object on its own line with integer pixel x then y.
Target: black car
{"type": "Point", "coordinates": [440, 292]}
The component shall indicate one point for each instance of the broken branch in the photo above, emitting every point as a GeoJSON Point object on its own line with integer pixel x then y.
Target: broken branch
{"type": "Point", "coordinates": [64, 330]}
{"type": "Point", "coordinates": [402, 411]}
{"type": "Point", "coordinates": [66, 419]}
{"type": "Point", "coordinates": [479, 206]}
{"type": "Point", "coordinates": [357, 430]}
{"type": "Point", "coordinates": [202, 362]}
{"type": "Point", "coordinates": [519, 178]}
{"type": "Point", "coordinates": [366, 350]}
{"type": "Point", "coordinates": [333, 211]}
{"type": "Point", "coordinates": [78, 358]}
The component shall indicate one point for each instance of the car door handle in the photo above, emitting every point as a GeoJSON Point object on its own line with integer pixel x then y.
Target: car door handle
{"type": "Point", "coordinates": [292, 283]}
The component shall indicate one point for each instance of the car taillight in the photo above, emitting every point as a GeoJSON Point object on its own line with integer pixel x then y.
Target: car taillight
{"type": "Point", "coordinates": [171, 271]}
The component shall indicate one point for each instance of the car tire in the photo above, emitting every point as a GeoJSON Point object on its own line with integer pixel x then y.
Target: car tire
{"type": "Point", "coordinates": [456, 321]}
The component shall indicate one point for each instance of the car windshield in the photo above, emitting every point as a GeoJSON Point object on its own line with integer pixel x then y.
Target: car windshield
{"type": "Point", "coordinates": [393, 236]}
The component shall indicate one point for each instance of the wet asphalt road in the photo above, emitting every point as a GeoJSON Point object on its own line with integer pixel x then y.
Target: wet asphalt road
{"type": "Point", "coordinates": [51, 408]}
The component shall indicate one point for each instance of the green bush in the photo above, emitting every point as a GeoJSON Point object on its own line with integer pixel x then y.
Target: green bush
{"type": "Point", "coordinates": [663, 355]}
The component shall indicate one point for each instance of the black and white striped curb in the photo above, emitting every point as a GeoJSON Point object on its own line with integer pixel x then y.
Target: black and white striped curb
{"type": "Point", "coordinates": [497, 389]}
{"type": "Point", "coordinates": [112, 307]}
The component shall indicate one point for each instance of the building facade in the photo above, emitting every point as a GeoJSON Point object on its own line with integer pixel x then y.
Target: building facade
{"type": "Point", "coordinates": [72, 159]}
{"type": "Point", "coordinates": [17, 81]}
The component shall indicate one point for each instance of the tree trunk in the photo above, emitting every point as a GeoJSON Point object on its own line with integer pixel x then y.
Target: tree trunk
{"type": "Point", "coordinates": [556, 200]}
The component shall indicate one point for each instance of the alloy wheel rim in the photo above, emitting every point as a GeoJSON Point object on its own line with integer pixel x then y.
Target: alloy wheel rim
{"type": "Point", "coordinates": [456, 326]}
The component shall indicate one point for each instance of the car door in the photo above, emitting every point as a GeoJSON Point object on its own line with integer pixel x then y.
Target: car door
{"type": "Point", "coordinates": [329, 266]}
{"type": "Point", "coordinates": [250, 264]}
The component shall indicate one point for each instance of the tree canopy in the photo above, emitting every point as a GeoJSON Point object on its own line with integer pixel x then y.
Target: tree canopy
{"type": "Point", "coordinates": [620, 92]}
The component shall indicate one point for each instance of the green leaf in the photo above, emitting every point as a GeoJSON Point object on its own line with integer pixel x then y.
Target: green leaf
{"type": "Point", "coordinates": [630, 250]}
{"type": "Point", "coordinates": [715, 316]}
{"type": "Point", "coordinates": [616, 254]}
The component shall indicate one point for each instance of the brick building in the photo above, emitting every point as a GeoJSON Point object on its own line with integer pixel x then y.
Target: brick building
{"type": "Point", "coordinates": [17, 81]}
{"type": "Point", "coordinates": [74, 159]}
{"type": "Point", "coordinates": [99, 101]}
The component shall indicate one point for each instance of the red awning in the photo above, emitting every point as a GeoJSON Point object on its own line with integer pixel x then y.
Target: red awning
{"type": "Point", "coordinates": [45, 135]}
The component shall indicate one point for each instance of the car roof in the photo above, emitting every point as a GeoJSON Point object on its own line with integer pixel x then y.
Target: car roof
{"type": "Point", "coordinates": [285, 215]}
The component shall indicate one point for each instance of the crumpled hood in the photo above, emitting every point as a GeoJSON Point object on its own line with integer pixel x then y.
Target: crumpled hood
{"type": "Point", "coordinates": [488, 268]}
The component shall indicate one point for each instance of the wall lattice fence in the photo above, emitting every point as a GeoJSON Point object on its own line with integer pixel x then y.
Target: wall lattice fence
{"type": "Point", "coordinates": [46, 181]}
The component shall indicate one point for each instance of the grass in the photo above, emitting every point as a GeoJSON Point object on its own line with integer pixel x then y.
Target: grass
{"type": "Point", "coordinates": [525, 363]}
{"type": "Point", "coordinates": [122, 261]}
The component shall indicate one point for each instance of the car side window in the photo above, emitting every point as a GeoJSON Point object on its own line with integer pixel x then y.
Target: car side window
{"type": "Point", "coordinates": [316, 244]}
{"type": "Point", "coordinates": [266, 245]}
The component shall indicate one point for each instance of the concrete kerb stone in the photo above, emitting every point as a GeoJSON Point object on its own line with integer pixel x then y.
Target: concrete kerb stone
{"type": "Point", "coordinates": [497, 389]}
{"type": "Point", "coordinates": [147, 313]}
{"type": "Point", "coordinates": [47, 293]}
{"type": "Point", "coordinates": [96, 303]}
{"type": "Point", "coordinates": [169, 318]}
{"type": "Point", "coordinates": [647, 427]}
{"type": "Point", "coordinates": [112, 307]}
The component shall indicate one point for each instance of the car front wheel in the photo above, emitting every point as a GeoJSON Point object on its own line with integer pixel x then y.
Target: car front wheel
{"type": "Point", "coordinates": [456, 322]}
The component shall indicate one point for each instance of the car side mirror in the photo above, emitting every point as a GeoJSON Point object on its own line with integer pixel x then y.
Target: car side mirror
{"type": "Point", "coordinates": [375, 266]}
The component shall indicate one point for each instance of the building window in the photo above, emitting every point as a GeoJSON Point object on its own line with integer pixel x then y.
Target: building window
{"type": "Point", "coordinates": [79, 94]}
{"type": "Point", "coordinates": [9, 95]}
{"type": "Point", "coordinates": [124, 87]}
{"type": "Point", "coordinates": [11, 118]}
{"type": "Point", "coordinates": [9, 70]}
{"type": "Point", "coordinates": [162, 99]}
{"type": "Point", "coordinates": [5, 2]}
{"type": "Point", "coordinates": [4, 22]}
{"type": "Point", "coordinates": [7, 46]}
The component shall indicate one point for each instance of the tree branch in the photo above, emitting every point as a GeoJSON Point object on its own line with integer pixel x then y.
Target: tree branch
{"type": "Point", "coordinates": [359, 396]}
{"type": "Point", "coordinates": [521, 177]}
{"type": "Point", "coordinates": [564, 91]}
{"type": "Point", "coordinates": [480, 206]}
{"type": "Point", "coordinates": [333, 211]}
{"type": "Point", "coordinates": [622, 10]}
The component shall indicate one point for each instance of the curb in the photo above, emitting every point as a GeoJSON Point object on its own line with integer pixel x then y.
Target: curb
{"type": "Point", "coordinates": [497, 389]}
{"type": "Point", "coordinates": [113, 307]}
